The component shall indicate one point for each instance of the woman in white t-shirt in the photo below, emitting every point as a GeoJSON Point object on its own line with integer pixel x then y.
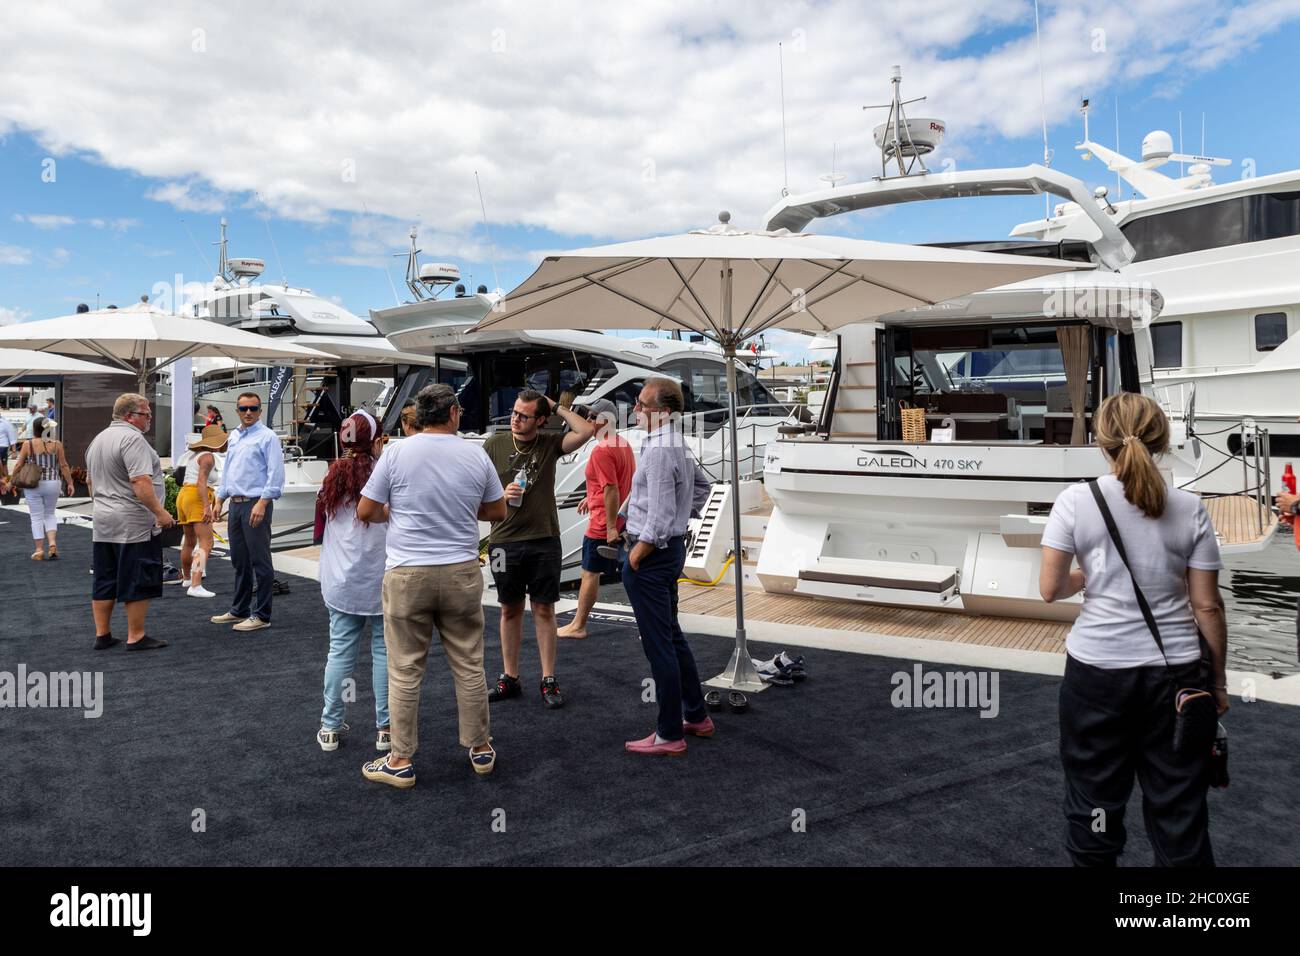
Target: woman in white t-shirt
{"type": "Point", "coordinates": [351, 579]}
{"type": "Point", "coordinates": [1117, 696]}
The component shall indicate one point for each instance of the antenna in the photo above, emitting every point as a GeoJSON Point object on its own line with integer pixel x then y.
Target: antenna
{"type": "Point", "coordinates": [1202, 133]}
{"type": "Point", "coordinates": [785, 156]}
{"type": "Point", "coordinates": [197, 247]}
{"type": "Point", "coordinates": [284, 280]}
{"type": "Point", "coordinates": [492, 248]}
{"type": "Point", "coordinates": [1042, 103]}
{"type": "Point", "coordinates": [1119, 180]}
{"type": "Point", "coordinates": [1182, 171]}
{"type": "Point", "coordinates": [833, 177]}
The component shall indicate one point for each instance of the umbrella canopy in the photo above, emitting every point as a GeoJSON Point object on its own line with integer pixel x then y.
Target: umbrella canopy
{"type": "Point", "coordinates": [14, 363]}
{"type": "Point", "coordinates": [142, 331]}
{"type": "Point", "coordinates": [731, 284]}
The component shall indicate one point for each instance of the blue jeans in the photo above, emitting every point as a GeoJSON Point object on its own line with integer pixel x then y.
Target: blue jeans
{"type": "Point", "coordinates": [653, 593]}
{"type": "Point", "coordinates": [345, 644]}
{"type": "Point", "coordinates": [250, 553]}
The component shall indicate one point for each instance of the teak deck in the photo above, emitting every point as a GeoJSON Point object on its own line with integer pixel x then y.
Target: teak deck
{"type": "Point", "coordinates": [1016, 633]}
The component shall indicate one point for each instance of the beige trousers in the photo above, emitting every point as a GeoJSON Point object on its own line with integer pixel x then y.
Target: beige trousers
{"type": "Point", "coordinates": [417, 600]}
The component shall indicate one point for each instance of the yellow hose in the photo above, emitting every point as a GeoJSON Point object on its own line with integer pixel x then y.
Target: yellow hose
{"type": "Point", "coordinates": [714, 583]}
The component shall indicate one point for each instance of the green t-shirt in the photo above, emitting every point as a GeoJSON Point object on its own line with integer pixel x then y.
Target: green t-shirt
{"type": "Point", "coordinates": [536, 516]}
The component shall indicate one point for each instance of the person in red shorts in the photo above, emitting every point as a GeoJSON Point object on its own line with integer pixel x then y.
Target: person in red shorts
{"type": "Point", "coordinates": [609, 480]}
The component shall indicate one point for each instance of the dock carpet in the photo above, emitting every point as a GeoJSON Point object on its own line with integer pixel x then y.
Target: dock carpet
{"type": "Point", "coordinates": [219, 728]}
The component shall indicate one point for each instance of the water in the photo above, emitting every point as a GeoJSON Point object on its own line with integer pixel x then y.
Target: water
{"type": "Point", "coordinates": [1260, 592]}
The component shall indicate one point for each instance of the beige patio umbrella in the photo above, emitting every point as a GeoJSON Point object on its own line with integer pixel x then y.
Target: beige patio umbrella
{"type": "Point", "coordinates": [730, 285]}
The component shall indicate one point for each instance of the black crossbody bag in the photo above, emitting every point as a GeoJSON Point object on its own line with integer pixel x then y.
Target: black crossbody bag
{"type": "Point", "coordinates": [1196, 716]}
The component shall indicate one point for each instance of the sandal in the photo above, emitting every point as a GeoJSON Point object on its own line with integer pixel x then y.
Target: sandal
{"type": "Point", "coordinates": [38, 555]}
{"type": "Point", "coordinates": [53, 554]}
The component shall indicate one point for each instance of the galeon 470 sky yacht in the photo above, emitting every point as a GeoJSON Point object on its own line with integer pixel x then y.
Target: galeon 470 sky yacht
{"type": "Point", "coordinates": [950, 429]}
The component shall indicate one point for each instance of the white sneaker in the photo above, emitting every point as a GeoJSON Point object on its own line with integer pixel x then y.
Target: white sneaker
{"type": "Point", "coordinates": [200, 591]}
{"type": "Point", "coordinates": [329, 739]}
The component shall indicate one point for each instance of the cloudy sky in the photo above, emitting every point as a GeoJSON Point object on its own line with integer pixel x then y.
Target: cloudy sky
{"type": "Point", "coordinates": [324, 131]}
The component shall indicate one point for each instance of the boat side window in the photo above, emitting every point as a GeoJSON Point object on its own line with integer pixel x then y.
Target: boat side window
{"type": "Point", "coordinates": [1270, 331]}
{"type": "Point", "coordinates": [1167, 344]}
{"type": "Point", "coordinates": [1213, 225]}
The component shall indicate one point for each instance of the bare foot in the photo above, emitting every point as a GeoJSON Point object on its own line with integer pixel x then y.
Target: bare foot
{"type": "Point", "coordinates": [570, 631]}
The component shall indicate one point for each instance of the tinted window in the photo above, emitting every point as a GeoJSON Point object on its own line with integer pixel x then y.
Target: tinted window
{"type": "Point", "coordinates": [1167, 344]}
{"type": "Point", "coordinates": [1215, 225]}
{"type": "Point", "coordinates": [1270, 331]}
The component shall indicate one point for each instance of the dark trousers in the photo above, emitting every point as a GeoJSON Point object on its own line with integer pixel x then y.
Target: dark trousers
{"type": "Point", "coordinates": [1115, 724]}
{"type": "Point", "coordinates": [653, 593]}
{"type": "Point", "coordinates": [250, 553]}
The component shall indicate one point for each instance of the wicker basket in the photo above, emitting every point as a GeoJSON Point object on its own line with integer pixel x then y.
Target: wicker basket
{"type": "Point", "coordinates": [913, 420]}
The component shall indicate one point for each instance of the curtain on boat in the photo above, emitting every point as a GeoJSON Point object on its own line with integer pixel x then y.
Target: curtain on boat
{"type": "Point", "coordinates": [1076, 354]}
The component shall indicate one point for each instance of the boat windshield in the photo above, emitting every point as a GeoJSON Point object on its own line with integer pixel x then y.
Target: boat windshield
{"type": "Point", "coordinates": [1001, 383]}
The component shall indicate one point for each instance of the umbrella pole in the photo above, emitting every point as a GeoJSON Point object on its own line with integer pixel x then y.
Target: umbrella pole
{"type": "Point", "coordinates": [739, 673]}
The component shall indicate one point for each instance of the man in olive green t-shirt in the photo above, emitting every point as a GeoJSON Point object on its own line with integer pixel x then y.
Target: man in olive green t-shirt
{"type": "Point", "coordinates": [524, 550]}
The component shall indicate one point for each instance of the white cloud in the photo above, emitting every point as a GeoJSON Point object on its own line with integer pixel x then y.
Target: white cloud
{"type": "Point", "coordinates": [608, 121]}
{"type": "Point", "coordinates": [12, 316]}
{"type": "Point", "coordinates": [45, 221]}
{"type": "Point", "coordinates": [14, 255]}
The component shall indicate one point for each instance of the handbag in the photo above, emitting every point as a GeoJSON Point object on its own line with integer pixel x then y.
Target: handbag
{"type": "Point", "coordinates": [29, 475]}
{"type": "Point", "coordinates": [1196, 716]}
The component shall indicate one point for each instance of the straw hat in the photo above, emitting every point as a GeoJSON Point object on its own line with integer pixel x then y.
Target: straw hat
{"type": "Point", "coordinates": [212, 438]}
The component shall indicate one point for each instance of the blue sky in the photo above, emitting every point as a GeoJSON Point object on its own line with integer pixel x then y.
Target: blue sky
{"type": "Point", "coordinates": [145, 168]}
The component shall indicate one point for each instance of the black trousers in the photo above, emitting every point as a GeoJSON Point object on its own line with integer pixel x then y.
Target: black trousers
{"type": "Point", "coordinates": [1116, 724]}
{"type": "Point", "coordinates": [250, 553]}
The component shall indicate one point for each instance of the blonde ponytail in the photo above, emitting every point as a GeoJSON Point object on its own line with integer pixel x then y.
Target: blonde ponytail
{"type": "Point", "coordinates": [1132, 429]}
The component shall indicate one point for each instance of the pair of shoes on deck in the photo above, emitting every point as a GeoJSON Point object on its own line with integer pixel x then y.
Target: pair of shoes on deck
{"type": "Point", "coordinates": [404, 777]}
{"type": "Point", "coordinates": [241, 623]}
{"type": "Point", "coordinates": [508, 687]}
{"type": "Point", "coordinates": [330, 738]}
{"type": "Point", "coordinates": [671, 748]}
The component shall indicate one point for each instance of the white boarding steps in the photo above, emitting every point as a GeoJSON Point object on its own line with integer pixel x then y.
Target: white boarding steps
{"type": "Point", "coordinates": [710, 540]}
{"type": "Point", "coordinates": [884, 582]}
{"type": "Point", "coordinates": [855, 401]}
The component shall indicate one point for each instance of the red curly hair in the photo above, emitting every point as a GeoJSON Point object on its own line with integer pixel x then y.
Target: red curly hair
{"type": "Point", "coordinates": [349, 474]}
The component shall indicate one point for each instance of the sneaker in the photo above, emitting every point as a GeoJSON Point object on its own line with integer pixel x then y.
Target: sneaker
{"type": "Point", "coordinates": [145, 643]}
{"type": "Point", "coordinates": [384, 740]}
{"type": "Point", "coordinates": [647, 745]}
{"type": "Point", "coordinates": [329, 739]}
{"type": "Point", "coordinates": [200, 592]}
{"type": "Point", "coordinates": [699, 728]}
{"type": "Point", "coordinates": [380, 772]}
{"type": "Point", "coordinates": [171, 574]}
{"type": "Point", "coordinates": [484, 762]}
{"type": "Point", "coordinates": [506, 688]}
{"type": "Point", "coordinates": [551, 695]}
{"type": "Point", "coordinates": [252, 624]}
{"type": "Point", "coordinates": [226, 618]}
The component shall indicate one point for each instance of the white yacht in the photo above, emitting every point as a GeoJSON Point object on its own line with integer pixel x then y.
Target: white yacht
{"type": "Point", "coordinates": [948, 431]}
{"type": "Point", "coordinates": [314, 397]}
{"type": "Point", "coordinates": [488, 369]}
{"type": "Point", "coordinates": [1226, 258]}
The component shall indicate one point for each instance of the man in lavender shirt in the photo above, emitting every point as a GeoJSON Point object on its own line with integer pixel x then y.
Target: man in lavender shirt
{"type": "Point", "coordinates": [668, 487]}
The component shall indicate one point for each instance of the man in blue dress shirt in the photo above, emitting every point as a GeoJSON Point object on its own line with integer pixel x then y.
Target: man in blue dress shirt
{"type": "Point", "coordinates": [668, 486]}
{"type": "Point", "coordinates": [252, 478]}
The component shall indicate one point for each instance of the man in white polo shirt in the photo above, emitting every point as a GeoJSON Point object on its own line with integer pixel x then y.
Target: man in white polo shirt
{"type": "Point", "coordinates": [437, 487]}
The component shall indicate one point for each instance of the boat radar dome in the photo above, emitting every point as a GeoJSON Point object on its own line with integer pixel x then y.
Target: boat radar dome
{"type": "Point", "coordinates": [1157, 145]}
{"type": "Point", "coordinates": [460, 289]}
{"type": "Point", "coordinates": [481, 290]}
{"type": "Point", "coordinates": [438, 274]}
{"type": "Point", "coordinates": [917, 137]}
{"type": "Point", "coordinates": [243, 268]}
{"type": "Point", "coordinates": [82, 307]}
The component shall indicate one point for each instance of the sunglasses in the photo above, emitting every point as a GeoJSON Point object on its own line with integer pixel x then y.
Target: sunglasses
{"type": "Point", "coordinates": [250, 408]}
{"type": "Point", "coordinates": [522, 417]}
{"type": "Point", "coordinates": [648, 408]}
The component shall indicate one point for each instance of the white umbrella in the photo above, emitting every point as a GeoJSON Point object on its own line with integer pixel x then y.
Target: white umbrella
{"type": "Point", "coordinates": [15, 363]}
{"type": "Point", "coordinates": [731, 284]}
{"type": "Point", "coordinates": [141, 331]}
